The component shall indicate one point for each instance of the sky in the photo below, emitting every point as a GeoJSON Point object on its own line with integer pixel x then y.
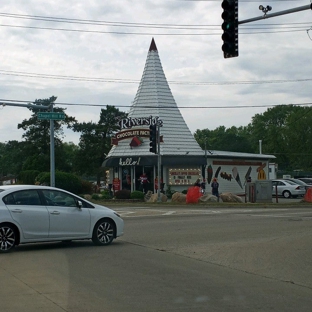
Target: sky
{"type": "Point", "coordinates": [90, 54]}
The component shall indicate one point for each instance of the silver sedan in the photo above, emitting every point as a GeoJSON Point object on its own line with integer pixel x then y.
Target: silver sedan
{"type": "Point", "coordinates": [30, 213]}
{"type": "Point", "coordinates": [287, 188]}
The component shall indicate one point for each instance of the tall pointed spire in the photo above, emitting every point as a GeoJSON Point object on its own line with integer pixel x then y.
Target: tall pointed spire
{"type": "Point", "coordinates": [154, 98]}
{"type": "Point", "coordinates": [153, 46]}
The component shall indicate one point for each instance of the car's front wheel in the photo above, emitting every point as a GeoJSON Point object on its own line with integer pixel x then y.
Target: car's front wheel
{"type": "Point", "coordinates": [286, 194]}
{"type": "Point", "coordinates": [104, 232]}
{"type": "Point", "coordinates": [7, 238]}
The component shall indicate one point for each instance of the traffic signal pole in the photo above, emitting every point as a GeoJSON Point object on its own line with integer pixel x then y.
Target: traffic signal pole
{"type": "Point", "coordinates": [265, 16]}
{"type": "Point", "coordinates": [158, 163]}
{"type": "Point", "coordinates": [231, 22]}
{"type": "Point", "coordinates": [155, 148]}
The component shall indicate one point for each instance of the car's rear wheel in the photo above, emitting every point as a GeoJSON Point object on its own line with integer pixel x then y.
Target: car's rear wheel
{"type": "Point", "coordinates": [103, 232]}
{"type": "Point", "coordinates": [286, 194]}
{"type": "Point", "coordinates": [7, 238]}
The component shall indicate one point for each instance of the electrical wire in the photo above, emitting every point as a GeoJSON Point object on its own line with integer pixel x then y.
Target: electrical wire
{"type": "Point", "coordinates": [145, 33]}
{"type": "Point", "coordinates": [281, 28]}
{"type": "Point", "coordinates": [3, 101]}
{"type": "Point", "coordinates": [120, 80]}
{"type": "Point", "coordinates": [126, 24]}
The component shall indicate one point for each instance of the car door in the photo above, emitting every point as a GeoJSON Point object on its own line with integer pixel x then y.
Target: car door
{"type": "Point", "coordinates": [67, 220]}
{"type": "Point", "coordinates": [28, 211]}
{"type": "Point", "coordinates": [281, 186]}
{"type": "Point", "coordinates": [274, 186]}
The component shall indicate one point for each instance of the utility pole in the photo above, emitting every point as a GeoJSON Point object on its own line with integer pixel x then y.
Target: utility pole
{"type": "Point", "coordinates": [52, 152]}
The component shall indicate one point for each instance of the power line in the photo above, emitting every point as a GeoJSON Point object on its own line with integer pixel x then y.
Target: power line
{"type": "Point", "coordinates": [120, 80]}
{"type": "Point", "coordinates": [119, 24]}
{"type": "Point", "coordinates": [284, 27]}
{"type": "Point", "coordinates": [148, 34]}
{"type": "Point", "coordinates": [2, 102]}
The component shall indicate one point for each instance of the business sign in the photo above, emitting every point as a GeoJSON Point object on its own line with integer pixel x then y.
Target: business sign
{"type": "Point", "coordinates": [132, 128]}
{"type": "Point", "coordinates": [129, 161]}
{"type": "Point", "coordinates": [116, 184]}
{"type": "Point", "coordinates": [128, 123]}
{"type": "Point", "coordinates": [184, 176]}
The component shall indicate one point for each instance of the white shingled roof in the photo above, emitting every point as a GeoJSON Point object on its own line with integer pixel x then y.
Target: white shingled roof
{"type": "Point", "coordinates": [154, 98]}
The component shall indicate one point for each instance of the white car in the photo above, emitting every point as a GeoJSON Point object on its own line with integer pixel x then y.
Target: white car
{"type": "Point", "coordinates": [287, 188]}
{"type": "Point", "coordinates": [30, 213]}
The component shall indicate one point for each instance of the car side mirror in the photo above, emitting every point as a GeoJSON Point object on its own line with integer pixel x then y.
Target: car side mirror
{"type": "Point", "coordinates": [79, 204]}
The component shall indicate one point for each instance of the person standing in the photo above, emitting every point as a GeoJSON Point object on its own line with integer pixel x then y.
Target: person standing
{"type": "Point", "coordinates": [197, 183]}
{"type": "Point", "coordinates": [143, 182]}
{"type": "Point", "coordinates": [156, 183]}
{"type": "Point", "coordinates": [203, 186]}
{"type": "Point", "coordinates": [215, 188]}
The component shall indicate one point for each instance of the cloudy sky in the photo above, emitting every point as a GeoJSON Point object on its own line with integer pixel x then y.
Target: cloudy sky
{"type": "Point", "coordinates": [93, 53]}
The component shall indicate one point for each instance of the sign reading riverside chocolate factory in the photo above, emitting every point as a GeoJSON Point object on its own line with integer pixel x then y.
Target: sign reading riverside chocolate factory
{"type": "Point", "coordinates": [128, 123]}
{"type": "Point", "coordinates": [183, 176]}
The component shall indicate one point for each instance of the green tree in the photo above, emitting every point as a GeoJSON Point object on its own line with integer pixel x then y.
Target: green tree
{"type": "Point", "coordinates": [298, 133]}
{"type": "Point", "coordinates": [95, 141]}
{"type": "Point", "coordinates": [272, 127]}
{"type": "Point", "coordinates": [37, 137]}
{"type": "Point", "coordinates": [12, 157]}
{"type": "Point", "coordinates": [232, 139]}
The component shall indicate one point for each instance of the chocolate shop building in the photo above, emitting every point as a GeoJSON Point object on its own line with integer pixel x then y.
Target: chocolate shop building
{"type": "Point", "coordinates": [182, 160]}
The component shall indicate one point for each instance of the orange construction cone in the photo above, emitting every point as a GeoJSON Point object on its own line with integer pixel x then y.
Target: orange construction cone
{"type": "Point", "coordinates": [308, 195]}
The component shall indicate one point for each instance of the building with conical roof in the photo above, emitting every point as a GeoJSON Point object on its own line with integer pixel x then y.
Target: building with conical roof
{"type": "Point", "coordinates": [182, 159]}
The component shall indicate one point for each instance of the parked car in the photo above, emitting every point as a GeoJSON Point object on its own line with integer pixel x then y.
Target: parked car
{"type": "Point", "coordinates": [287, 188]}
{"type": "Point", "coordinates": [30, 213]}
{"type": "Point", "coordinates": [306, 180]}
{"type": "Point", "coordinates": [299, 182]}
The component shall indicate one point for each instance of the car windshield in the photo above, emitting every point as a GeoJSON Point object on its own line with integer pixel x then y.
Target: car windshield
{"type": "Point", "coordinates": [307, 181]}
{"type": "Point", "coordinates": [291, 182]}
{"type": "Point", "coordinates": [298, 182]}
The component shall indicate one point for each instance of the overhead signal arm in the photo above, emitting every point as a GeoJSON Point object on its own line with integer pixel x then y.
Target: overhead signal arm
{"type": "Point", "coordinates": [230, 23]}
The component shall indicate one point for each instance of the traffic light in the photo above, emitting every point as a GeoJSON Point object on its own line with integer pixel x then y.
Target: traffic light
{"type": "Point", "coordinates": [230, 28]}
{"type": "Point", "coordinates": [153, 139]}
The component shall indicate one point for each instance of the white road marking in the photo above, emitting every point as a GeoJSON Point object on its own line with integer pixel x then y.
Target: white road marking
{"type": "Point", "coordinates": [169, 213]}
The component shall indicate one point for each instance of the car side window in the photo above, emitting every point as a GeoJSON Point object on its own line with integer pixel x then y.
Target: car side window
{"type": "Point", "coordinates": [62, 199]}
{"type": "Point", "coordinates": [58, 198]}
{"type": "Point", "coordinates": [25, 197]}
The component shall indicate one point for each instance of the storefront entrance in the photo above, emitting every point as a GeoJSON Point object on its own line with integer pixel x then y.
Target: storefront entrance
{"type": "Point", "coordinates": [149, 171]}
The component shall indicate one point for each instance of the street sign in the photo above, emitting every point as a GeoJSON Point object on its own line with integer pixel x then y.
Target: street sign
{"type": "Point", "coordinates": [51, 115]}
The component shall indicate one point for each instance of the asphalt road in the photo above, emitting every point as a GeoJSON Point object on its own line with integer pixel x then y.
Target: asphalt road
{"type": "Point", "coordinates": [178, 259]}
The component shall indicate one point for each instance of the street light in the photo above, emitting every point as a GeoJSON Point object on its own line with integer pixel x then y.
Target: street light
{"type": "Point", "coordinates": [266, 9]}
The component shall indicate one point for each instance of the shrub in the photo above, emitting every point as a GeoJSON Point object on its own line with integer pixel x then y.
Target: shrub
{"type": "Point", "coordinates": [28, 176]}
{"type": "Point", "coordinates": [122, 194]}
{"type": "Point", "coordinates": [169, 191]}
{"type": "Point", "coordinates": [106, 194]}
{"type": "Point", "coordinates": [96, 196]}
{"type": "Point", "coordinates": [63, 180]}
{"type": "Point", "coordinates": [137, 195]}
{"type": "Point", "coordinates": [86, 187]}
